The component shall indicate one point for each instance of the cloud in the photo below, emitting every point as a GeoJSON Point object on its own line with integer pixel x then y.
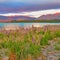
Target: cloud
{"type": "Point", "coordinates": [34, 13]}
{"type": "Point", "coordinates": [2, 1]}
{"type": "Point", "coordinates": [21, 7]}
{"type": "Point", "coordinates": [32, 1]}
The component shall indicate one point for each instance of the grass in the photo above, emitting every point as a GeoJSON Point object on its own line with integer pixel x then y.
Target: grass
{"type": "Point", "coordinates": [30, 44]}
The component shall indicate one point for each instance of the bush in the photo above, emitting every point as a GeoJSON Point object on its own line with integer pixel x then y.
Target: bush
{"type": "Point", "coordinates": [57, 33]}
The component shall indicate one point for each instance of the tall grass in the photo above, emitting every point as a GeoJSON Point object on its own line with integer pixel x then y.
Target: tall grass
{"type": "Point", "coordinates": [30, 44]}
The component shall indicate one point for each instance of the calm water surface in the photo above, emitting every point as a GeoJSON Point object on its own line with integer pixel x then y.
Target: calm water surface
{"type": "Point", "coordinates": [27, 24]}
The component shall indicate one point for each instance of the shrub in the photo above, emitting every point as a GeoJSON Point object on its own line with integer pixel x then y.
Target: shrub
{"type": "Point", "coordinates": [57, 33]}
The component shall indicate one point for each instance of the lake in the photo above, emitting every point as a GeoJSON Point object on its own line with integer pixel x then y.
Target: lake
{"type": "Point", "coordinates": [28, 24]}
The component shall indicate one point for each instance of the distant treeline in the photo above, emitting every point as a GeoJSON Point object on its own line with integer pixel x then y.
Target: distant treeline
{"type": "Point", "coordinates": [35, 21]}
{"type": "Point", "coordinates": [49, 21]}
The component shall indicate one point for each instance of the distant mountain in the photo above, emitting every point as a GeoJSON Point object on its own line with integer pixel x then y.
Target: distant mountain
{"type": "Point", "coordinates": [16, 18]}
{"type": "Point", "coordinates": [50, 17]}
{"type": "Point", "coordinates": [21, 18]}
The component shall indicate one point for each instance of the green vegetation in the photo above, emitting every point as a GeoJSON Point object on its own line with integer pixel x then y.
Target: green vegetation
{"type": "Point", "coordinates": [28, 21]}
{"type": "Point", "coordinates": [57, 47]}
{"type": "Point", "coordinates": [31, 43]}
{"type": "Point", "coordinates": [57, 33]}
{"type": "Point", "coordinates": [36, 21]}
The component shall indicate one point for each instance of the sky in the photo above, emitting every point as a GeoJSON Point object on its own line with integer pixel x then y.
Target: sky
{"type": "Point", "coordinates": [29, 7]}
{"type": "Point", "coordinates": [31, 1]}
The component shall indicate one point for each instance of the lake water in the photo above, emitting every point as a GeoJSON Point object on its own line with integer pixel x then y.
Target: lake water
{"type": "Point", "coordinates": [27, 24]}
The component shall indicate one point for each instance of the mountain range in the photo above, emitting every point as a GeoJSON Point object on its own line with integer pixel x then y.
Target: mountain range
{"type": "Point", "coordinates": [55, 16]}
